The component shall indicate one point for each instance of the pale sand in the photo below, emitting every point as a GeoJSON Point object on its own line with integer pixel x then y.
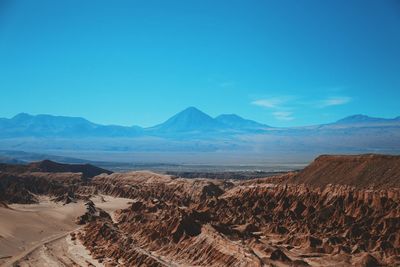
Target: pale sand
{"type": "Point", "coordinates": [60, 252]}
{"type": "Point", "coordinates": [38, 234]}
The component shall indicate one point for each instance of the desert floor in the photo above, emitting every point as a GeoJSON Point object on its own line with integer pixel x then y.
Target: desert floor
{"type": "Point", "coordinates": [39, 234]}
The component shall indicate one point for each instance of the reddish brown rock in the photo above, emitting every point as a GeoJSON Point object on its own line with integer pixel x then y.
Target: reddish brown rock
{"type": "Point", "coordinates": [278, 255]}
{"type": "Point", "coordinates": [248, 223]}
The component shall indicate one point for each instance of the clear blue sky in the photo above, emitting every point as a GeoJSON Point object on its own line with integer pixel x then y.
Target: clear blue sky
{"type": "Point", "coordinates": [283, 63]}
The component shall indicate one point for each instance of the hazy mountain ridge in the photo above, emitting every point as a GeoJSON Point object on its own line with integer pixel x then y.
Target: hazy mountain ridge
{"type": "Point", "coordinates": [360, 118]}
{"type": "Point", "coordinates": [23, 125]}
{"type": "Point", "coordinates": [236, 122]}
{"type": "Point", "coordinates": [193, 131]}
{"type": "Point", "coordinates": [190, 120]}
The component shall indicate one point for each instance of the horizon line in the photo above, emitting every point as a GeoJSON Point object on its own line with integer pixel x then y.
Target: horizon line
{"type": "Point", "coordinates": [192, 107]}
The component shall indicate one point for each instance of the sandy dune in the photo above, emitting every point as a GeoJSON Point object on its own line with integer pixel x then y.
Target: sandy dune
{"type": "Point", "coordinates": [38, 234]}
{"type": "Point", "coordinates": [63, 251]}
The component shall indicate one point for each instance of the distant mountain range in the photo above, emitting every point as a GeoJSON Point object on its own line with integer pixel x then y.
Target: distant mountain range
{"type": "Point", "coordinates": [188, 121]}
{"type": "Point", "coordinates": [193, 131]}
{"type": "Point", "coordinates": [23, 125]}
{"type": "Point", "coordinates": [359, 118]}
{"type": "Point", "coordinates": [193, 120]}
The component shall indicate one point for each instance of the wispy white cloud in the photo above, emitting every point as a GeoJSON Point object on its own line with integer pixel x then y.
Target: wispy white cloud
{"type": "Point", "coordinates": [273, 102]}
{"type": "Point", "coordinates": [284, 107]}
{"type": "Point", "coordinates": [280, 105]}
{"type": "Point", "coordinates": [334, 101]}
{"type": "Point", "coordinates": [283, 115]}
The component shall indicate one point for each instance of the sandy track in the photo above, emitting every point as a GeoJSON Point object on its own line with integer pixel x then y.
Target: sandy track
{"type": "Point", "coordinates": [62, 251]}
{"type": "Point", "coordinates": [38, 234]}
{"type": "Point", "coordinates": [24, 258]}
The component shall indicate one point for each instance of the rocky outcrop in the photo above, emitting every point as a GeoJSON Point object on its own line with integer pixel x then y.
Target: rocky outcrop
{"type": "Point", "coordinates": [148, 231]}
{"type": "Point", "coordinates": [362, 171]}
{"type": "Point", "coordinates": [48, 166]}
{"type": "Point", "coordinates": [176, 220]}
{"type": "Point", "coordinates": [278, 255]}
{"type": "Point", "coordinates": [334, 219]}
{"type": "Point", "coordinates": [24, 187]}
{"type": "Point", "coordinates": [71, 197]}
{"type": "Point", "coordinates": [92, 213]}
{"type": "Point", "coordinates": [150, 186]}
{"type": "Point", "coordinates": [63, 182]}
{"type": "Point", "coordinates": [87, 170]}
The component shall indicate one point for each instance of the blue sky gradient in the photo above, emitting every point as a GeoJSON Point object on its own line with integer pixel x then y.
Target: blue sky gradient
{"type": "Point", "coordinates": [283, 63]}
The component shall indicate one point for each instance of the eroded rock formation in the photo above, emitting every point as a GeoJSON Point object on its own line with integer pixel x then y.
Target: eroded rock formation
{"type": "Point", "coordinates": [310, 218]}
